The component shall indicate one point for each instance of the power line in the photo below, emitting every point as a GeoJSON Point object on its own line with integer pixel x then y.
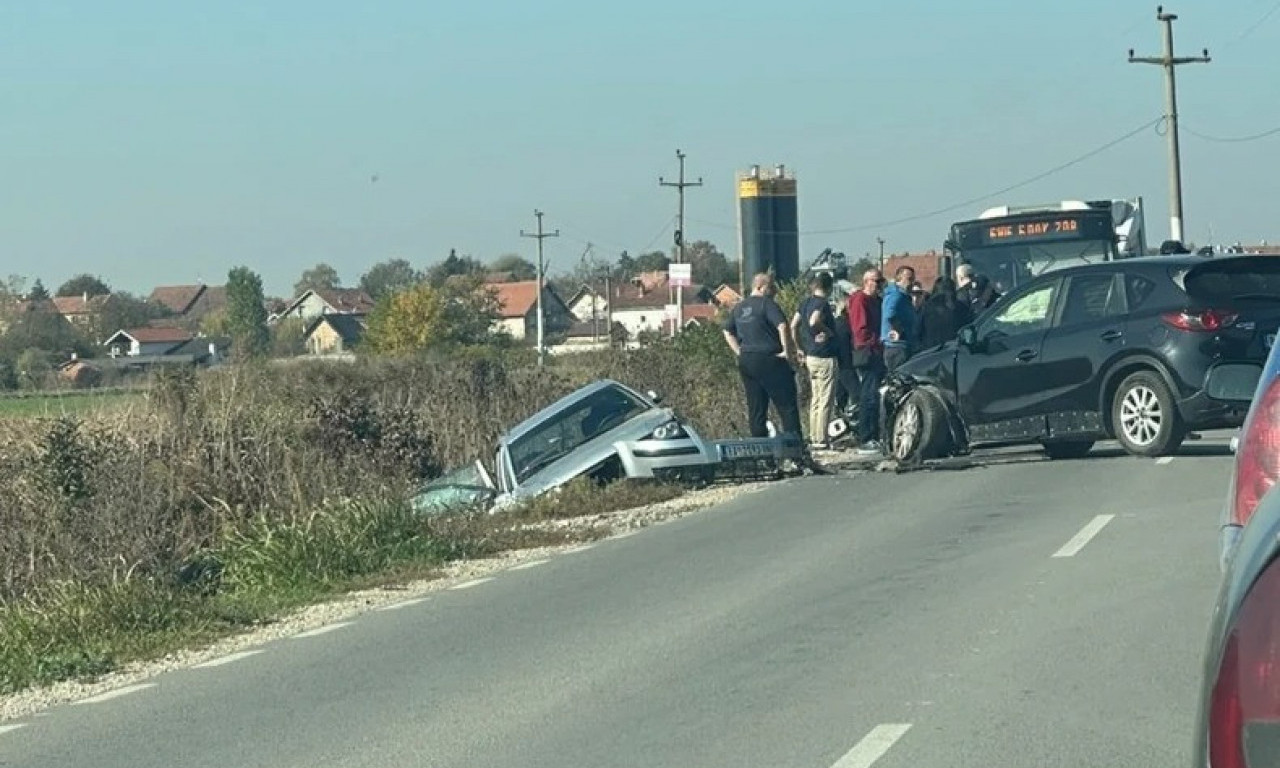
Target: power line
{"type": "Point", "coordinates": [1254, 27]}
{"type": "Point", "coordinates": [1233, 139]}
{"type": "Point", "coordinates": [973, 200]}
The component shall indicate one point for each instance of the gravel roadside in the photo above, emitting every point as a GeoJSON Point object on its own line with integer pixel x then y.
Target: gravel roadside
{"type": "Point", "coordinates": [30, 701]}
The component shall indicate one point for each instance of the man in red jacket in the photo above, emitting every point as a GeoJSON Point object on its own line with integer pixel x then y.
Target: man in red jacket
{"type": "Point", "coordinates": [868, 357]}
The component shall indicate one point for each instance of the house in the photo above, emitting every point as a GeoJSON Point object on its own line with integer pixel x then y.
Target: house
{"type": "Point", "coordinates": [80, 310]}
{"type": "Point", "coordinates": [588, 335]}
{"type": "Point", "coordinates": [695, 314]}
{"type": "Point", "coordinates": [334, 334]}
{"type": "Point", "coordinates": [925, 265]}
{"type": "Point", "coordinates": [518, 309]}
{"type": "Point", "coordinates": [588, 303]}
{"type": "Point", "coordinates": [726, 296]}
{"type": "Point", "coordinates": [80, 374]}
{"type": "Point", "coordinates": [642, 305]}
{"type": "Point", "coordinates": [190, 304]}
{"type": "Point", "coordinates": [148, 341]}
{"type": "Point", "coordinates": [334, 301]}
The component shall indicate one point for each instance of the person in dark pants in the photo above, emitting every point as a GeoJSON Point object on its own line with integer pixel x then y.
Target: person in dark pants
{"type": "Point", "coordinates": [868, 358]}
{"type": "Point", "coordinates": [758, 334]}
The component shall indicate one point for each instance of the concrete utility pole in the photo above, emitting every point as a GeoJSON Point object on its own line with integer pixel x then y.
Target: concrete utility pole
{"type": "Point", "coordinates": [680, 186]}
{"type": "Point", "coordinates": [540, 236]}
{"type": "Point", "coordinates": [1170, 62]}
{"type": "Point", "coordinates": [880, 240]}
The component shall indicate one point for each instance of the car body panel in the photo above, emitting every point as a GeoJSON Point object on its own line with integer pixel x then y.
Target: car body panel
{"type": "Point", "coordinates": [1229, 532]}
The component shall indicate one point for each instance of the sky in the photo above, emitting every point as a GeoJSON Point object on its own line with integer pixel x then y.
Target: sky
{"type": "Point", "coordinates": [160, 143]}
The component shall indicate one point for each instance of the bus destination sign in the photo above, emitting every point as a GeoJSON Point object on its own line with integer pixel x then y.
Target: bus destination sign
{"type": "Point", "coordinates": [1046, 228]}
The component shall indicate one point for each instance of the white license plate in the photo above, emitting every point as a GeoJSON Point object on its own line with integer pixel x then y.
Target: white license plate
{"type": "Point", "coordinates": [746, 450]}
{"type": "Point", "coordinates": [1269, 339]}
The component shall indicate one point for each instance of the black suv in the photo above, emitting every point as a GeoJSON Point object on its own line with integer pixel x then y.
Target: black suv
{"type": "Point", "coordinates": [1141, 350]}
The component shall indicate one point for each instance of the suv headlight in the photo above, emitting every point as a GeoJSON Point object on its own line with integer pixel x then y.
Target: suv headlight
{"type": "Point", "coordinates": [669, 431]}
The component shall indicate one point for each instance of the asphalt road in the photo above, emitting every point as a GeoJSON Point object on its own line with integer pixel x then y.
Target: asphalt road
{"type": "Point", "coordinates": [918, 620]}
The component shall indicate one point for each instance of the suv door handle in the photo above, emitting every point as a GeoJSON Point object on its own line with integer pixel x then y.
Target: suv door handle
{"type": "Point", "coordinates": [1111, 335]}
{"type": "Point", "coordinates": [1026, 355]}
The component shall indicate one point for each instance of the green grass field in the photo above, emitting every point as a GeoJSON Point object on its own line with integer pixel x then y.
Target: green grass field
{"type": "Point", "coordinates": [69, 404]}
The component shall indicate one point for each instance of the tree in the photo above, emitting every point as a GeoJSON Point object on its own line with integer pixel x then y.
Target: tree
{"type": "Point", "coordinates": [452, 267]}
{"type": "Point", "coordinates": [425, 317]}
{"type": "Point", "coordinates": [626, 268]}
{"type": "Point", "coordinates": [710, 267]}
{"type": "Point", "coordinates": [654, 261]}
{"type": "Point", "coordinates": [859, 268]}
{"type": "Point", "coordinates": [38, 292]}
{"type": "Point", "coordinates": [287, 337]}
{"type": "Point", "coordinates": [519, 267]}
{"type": "Point", "coordinates": [246, 314]}
{"type": "Point", "coordinates": [42, 329]}
{"type": "Point", "coordinates": [82, 285]}
{"type": "Point", "coordinates": [120, 311]}
{"type": "Point", "coordinates": [321, 277]}
{"type": "Point", "coordinates": [390, 276]}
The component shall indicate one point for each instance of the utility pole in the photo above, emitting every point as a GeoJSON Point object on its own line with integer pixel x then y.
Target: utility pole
{"type": "Point", "coordinates": [1170, 62]}
{"type": "Point", "coordinates": [880, 240]}
{"type": "Point", "coordinates": [540, 236]}
{"type": "Point", "coordinates": [680, 186]}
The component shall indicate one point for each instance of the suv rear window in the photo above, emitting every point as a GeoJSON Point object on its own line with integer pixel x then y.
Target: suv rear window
{"type": "Point", "coordinates": [1234, 279]}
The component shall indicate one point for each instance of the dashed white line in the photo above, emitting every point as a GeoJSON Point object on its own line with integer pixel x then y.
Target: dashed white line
{"type": "Point", "coordinates": [873, 746]}
{"type": "Point", "coordinates": [472, 583]}
{"type": "Point", "coordinates": [227, 659]}
{"type": "Point", "coordinates": [403, 604]}
{"type": "Point", "coordinates": [1165, 460]}
{"type": "Point", "coordinates": [1085, 535]}
{"type": "Point", "coordinates": [322, 630]}
{"type": "Point", "coordinates": [530, 564]}
{"type": "Point", "coordinates": [8, 728]}
{"type": "Point", "coordinates": [117, 693]}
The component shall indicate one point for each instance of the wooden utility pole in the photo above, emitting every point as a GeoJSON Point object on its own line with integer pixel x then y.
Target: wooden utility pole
{"type": "Point", "coordinates": [540, 236]}
{"type": "Point", "coordinates": [1170, 63]}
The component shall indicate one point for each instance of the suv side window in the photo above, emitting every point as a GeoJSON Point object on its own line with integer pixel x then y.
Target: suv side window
{"type": "Point", "coordinates": [1091, 298]}
{"type": "Point", "coordinates": [1028, 313]}
{"type": "Point", "coordinates": [1137, 290]}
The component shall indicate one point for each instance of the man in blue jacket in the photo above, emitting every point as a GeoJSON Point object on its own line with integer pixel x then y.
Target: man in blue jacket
{"type": "Point", "coordinates": [899, 325]}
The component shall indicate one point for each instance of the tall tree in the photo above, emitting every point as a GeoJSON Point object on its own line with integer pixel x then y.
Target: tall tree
{"type": "Point", "coordinates": [425, 317]}
{"type": "Point", "coordinates": [121, 311]}
{"type": "Point", "coordinates": [654, 261]}
{"type": "Point", "coordinates": [246, 314]}
{"type": "Point", "coordinates": [84, 284]}
{"type": "Point", "coordinates": [626, 268]}
{"type": "Point", "coordinates": [519, 267]}
{"type": "Point", "coordinates": [389, 276]}
{"type": "Point", "coordinates": [38, 292]}
{"type": "Point", "coordinates": [321, 277]}
{"type": "Point", "coordinates": [453, 266]}
{"type": "Point", "coordinates": [45, 330]}
{"type": "Point", "coordinates": [710, 267]}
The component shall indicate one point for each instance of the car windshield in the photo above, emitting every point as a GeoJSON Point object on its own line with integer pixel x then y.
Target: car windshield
{"type": "Point", "coordinates": [1009, 266]}
{"type": "Point", "coordinates": [577, 424]}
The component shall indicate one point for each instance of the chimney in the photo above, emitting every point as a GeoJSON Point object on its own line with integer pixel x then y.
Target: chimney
{"type": "Point", "coordinates": [86, 297]}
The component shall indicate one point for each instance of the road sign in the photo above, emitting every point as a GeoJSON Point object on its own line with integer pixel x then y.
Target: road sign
{"type": "Point", "coordinates": [680, 275]}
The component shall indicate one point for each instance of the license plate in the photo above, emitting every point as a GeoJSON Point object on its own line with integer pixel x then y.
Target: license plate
{"type": "Point", "coordinates": [1269, 339]}
{"type": "Point", "coordinates": [746, 450]}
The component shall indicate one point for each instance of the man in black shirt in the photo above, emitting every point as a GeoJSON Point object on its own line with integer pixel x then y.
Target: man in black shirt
{"type": "Point", "coordinates": [814, 327]}
{"type": "Point", "coordinates": [758, 334]}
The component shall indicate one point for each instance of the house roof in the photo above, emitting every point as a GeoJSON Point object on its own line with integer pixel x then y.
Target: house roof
{"type": "Point", "coordinates": [514, 299]}
{"type": "Point", "coordinates": [350, 328]}
{"type": "Point", "coordinates": [338, 300]}
{"type": "Point", "coordinates": [177, 298]}
{"type": "Point", "coordinates": [153, 335]}
{"type": "Point", "coordinates": [79, 305]}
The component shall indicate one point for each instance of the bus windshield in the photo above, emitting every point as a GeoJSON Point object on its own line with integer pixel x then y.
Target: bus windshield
{"type": "Point", "coordinates": [1013, 264]}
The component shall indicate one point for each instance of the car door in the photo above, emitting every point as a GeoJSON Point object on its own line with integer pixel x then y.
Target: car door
{"type": "Point", "coordinates": [1000, 378]}
{"type": "Point", "coordinates": [1088, 333]}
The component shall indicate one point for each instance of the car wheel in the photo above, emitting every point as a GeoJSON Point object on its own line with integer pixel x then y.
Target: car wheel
{"type": "Point", "coordinates": [1068, 449]}
{"type": "Point", "coordinates": [1144, 417]}
{"type": "Point", "coordinates": [919, 429]}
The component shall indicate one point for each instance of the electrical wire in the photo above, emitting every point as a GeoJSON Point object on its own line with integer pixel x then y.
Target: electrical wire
{"type": "Point", "coordinates": [971, 201]}
{"type": "Point", "coordinates": [1232, 139]}
{"type": "Point", "coordinates": [1254, 27]}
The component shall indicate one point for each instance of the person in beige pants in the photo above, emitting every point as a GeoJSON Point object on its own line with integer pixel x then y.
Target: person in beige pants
{"type": "Point", "coordinates": [813, 325]}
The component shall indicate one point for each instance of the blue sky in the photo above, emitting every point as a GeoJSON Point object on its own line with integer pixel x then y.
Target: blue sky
{"type": "Point", "coordinates": [161, 142]}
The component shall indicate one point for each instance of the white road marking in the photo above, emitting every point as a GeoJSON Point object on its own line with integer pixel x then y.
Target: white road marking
{"type": "Point", "coordinates": [873, 746]}
{"type": "Point", "coordinates": [1085, 535]}
{"type": "Point", "coordinates": [403, 604]}
{"type": "Point", "coordinates": [322, 630]}
{"type": "Point", "coordinates": [7, 728]}
{"type": "Point", "coordinates": [117, 693]}
{"type": "Point", "coordinates": [227, 659]}
{"type": "Point", "coordinates": [472, 583]}
{"type": "Point", "coordinates": [1165, 460]}
{"type": "Point", "coordinates": [530, 564]}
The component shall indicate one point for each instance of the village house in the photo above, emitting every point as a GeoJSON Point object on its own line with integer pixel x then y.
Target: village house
{"type": "Point", "coordinates": [518, 309]}
{"type": "Point", "coordinates": [81, 310]}
{"type": "Point", "coordinates": [189, 305]}
{"type": "Point", "coordinates": [641, 305]}
{"type": "Point", "coordinates": [334, 334]}
{"type": "Point", "coordinates": [588, 303]}
{"type": "Point", "coordinates": [335, 301]}
{"type": "Point", "coordinates": [137, 347]}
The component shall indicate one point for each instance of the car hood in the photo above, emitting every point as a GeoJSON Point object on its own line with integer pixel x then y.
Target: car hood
{"type": "Point", "coordinates": [932, 364]}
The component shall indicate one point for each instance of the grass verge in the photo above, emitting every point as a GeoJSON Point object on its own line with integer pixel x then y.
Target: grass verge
{"type": "Point", "coordinates": [263, 570]}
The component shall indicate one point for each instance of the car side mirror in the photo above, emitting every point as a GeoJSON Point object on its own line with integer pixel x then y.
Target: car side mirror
{"type": "Point", "coordinates": [655, 397]}
{"type": "Point", "coordinates": [968, 337]}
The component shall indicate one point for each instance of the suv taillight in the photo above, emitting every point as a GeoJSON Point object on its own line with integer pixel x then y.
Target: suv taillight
{"type": "Point", "coordinates": [1244, 711]}
{"type": "Point", "coordinates": [1200, 320]}
{"type": "Point", "coordinates": [1258, 454]}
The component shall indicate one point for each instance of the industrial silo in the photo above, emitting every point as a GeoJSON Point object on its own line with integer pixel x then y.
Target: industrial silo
{"type": "Point", "coordinates": [768, 225]}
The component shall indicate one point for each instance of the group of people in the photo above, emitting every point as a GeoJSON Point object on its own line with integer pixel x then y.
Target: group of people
{"type": "Point", "coordinates": [846, 348]}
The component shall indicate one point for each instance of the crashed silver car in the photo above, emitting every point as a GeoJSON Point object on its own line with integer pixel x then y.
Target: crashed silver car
{"type": "Point", "coordinates": [605, 431]}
